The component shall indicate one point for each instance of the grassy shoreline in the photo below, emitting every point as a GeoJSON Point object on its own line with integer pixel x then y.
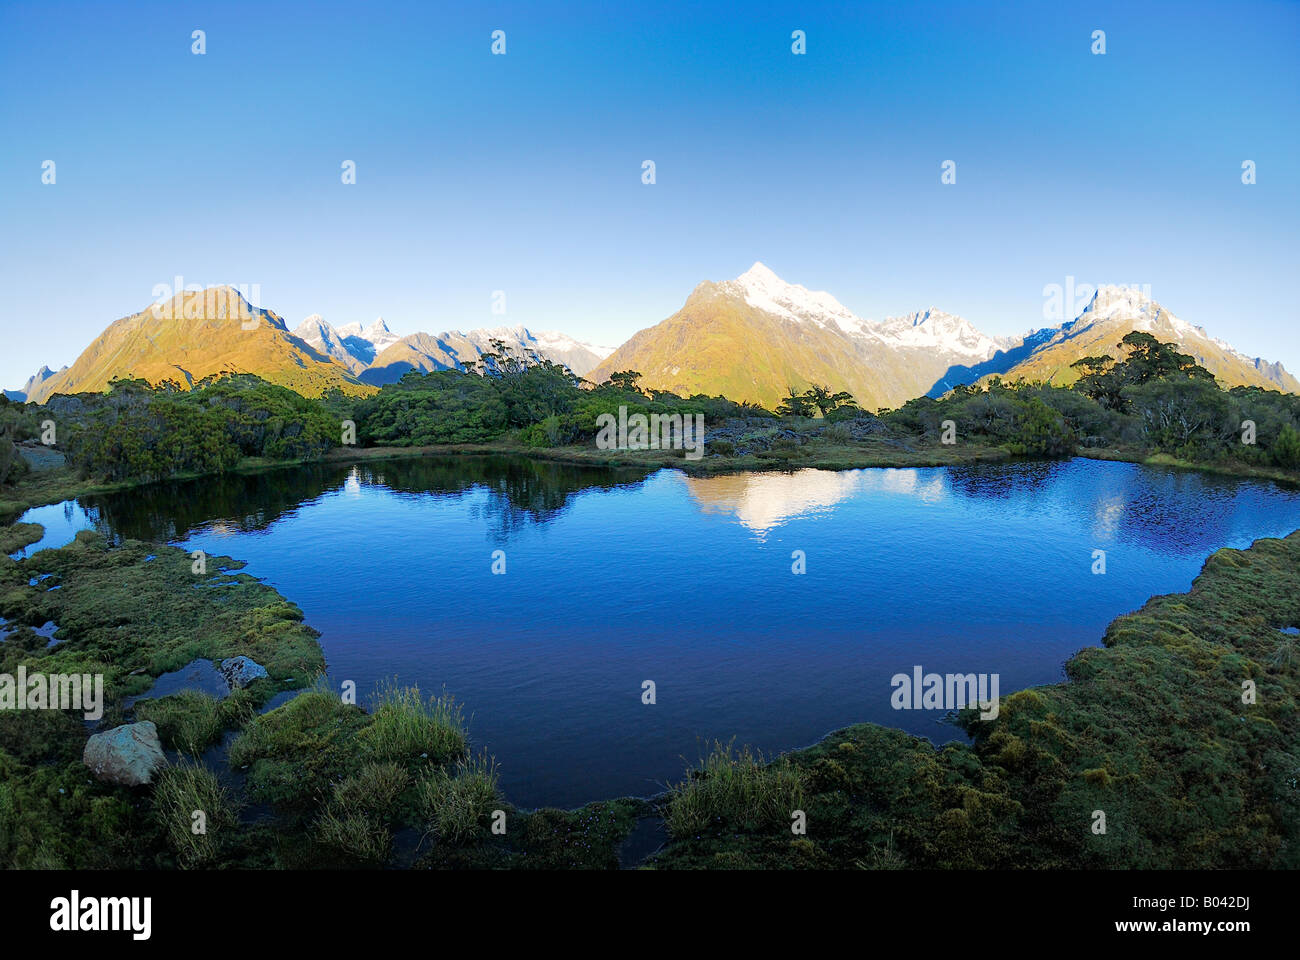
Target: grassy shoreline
{"type": "Point", "coordinates": [1289, 478]}
{"type": "Point", "coordinates": [822, 456]}
{"type": "Point", "coordinates": [875, 797]}
{"type": "Point", "coordinates": [1152, 730]}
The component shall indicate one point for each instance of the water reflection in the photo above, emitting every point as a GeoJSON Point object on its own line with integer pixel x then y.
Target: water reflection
{"type": "Point", "coordinates": [761, 501]}
{"type": "Point", "coordinates": [521, 492]}
{"type": "Point", "coordinates": [615, 577]}
{"type": "Point", "coordinates": [1159, 508]}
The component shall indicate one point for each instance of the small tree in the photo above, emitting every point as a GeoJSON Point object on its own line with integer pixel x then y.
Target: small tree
{"type": "Point", "coordinates": [625, 380]}
{"type": "Point", "coordinates": [1286, 448]}
{"type": "Point", "coordinates": [825, 401]}
{"type": "Point", "coordinates": [795, 405]}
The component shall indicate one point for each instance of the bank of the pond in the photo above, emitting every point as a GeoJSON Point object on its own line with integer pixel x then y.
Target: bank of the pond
{"type": "Point", "coordinates": [344, 787]}
{"type": "Point", "coordinates": [53, 485]}
{"type": "Point", "coordinates": [1289, 478]}
{"type": "Point", "coordinates": [1172, 746]}
{"type": "Point", "coordinates": [1151, 732]}
{"type": "Point", "coordinates": [815, 454]}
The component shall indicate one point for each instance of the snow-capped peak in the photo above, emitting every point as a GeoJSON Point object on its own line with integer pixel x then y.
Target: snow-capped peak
{"type": "Point", "coordinates": [377, 334]}
{"type": "Point", "coordinates": [930, 329]}
{"type": "Point", "coordinates": [313, 326]}
{"type": "Point", "coordinates": [545, 342]}
{"type": "Point", "coordinates": [1134, 306]}
{"type": "Point", "coordinates": [764, 290]}
{"type": "Point", "coordinates": [553, 340]}
{"type": "Point", "coordinates": [937, 329]}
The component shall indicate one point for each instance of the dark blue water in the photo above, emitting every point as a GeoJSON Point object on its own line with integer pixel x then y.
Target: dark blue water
{"type": "Point", "coordinates": [613, 579]}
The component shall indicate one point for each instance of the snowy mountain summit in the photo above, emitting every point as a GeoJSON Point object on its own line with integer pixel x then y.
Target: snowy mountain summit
{"type": "Point", "coordinates": [764, 290]}
{"type": "Point", "coordinates": [927, 329]}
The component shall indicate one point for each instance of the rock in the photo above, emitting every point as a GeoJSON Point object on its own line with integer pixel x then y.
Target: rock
{"type": "Point", "coordinates": [241, 671]}
{"type": "Point", "coordinates": [127, 755]}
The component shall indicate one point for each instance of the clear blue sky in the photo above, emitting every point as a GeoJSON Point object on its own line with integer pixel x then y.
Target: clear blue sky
{"type": "Point", "coordinates": [522, 172]}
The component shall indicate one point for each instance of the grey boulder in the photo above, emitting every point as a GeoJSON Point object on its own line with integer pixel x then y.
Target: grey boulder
{"type": "Point", "coordinates": [241, 671]}
{"type": "Point", "coordinates": [128, 755]}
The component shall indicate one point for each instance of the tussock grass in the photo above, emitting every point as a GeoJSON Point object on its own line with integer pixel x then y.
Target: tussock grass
{"type": "Point", "coordinates": [299, 750]}
{"type": "Point", "coordinates": [355, 822]}
{"type": "Point", "coordinates": [735, 789]}
{"type": "Point", "coordinates": [457, 802]}
{"type": "Point", "coordinates": [316, 750]}
{"type": "Point", "coordinates": [181, 791]}
{"type": "Point", "coordinates": [358, 837]}
{"type": "Point", "coordinates": [375, 788]}
{"type": "Point", "coordinates": [837, 433]}
{"type": "Point", "coordinates": [406, 727]}
{"type": "Point", "coordinates": [19, 535]}
{"type": "Point", "coordinates": [191, 721]}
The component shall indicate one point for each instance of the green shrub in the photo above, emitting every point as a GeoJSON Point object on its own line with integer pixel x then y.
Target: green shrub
{"type": "Point", "coordinates": [1041, 431]}
{"type": "Point", "coordinates": [1286, 449]}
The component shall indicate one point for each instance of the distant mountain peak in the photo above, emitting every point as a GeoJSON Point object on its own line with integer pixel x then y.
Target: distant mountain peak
{"type": "Point", "coordinates": [196, 334]}
{"type": "Point", "coordinates": [759, 274]}
{"type": "Point", "coordinates": [762, 289]}
{"type": "Point", "coordinates": [937, 329]}
{"type": "Point", "coordinates": [25, 391]}
{"type": "Point", "coordinates": [1135, 308]}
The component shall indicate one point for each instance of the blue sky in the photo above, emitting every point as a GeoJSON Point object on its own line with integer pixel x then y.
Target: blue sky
{"type": "Point", "coordinates": [522, 172]}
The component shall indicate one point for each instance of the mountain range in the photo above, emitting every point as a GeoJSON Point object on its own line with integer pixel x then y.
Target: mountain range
{"type": "Point", "coordinates": [199, 333]}
{"type": "Point", "coordinates": [757, 336]}
{"type": "Point", "coordinates": [193, 335]}
{"type": "Point", "coordinates": [34, 381]}
{"type": "Point", "coordinates": [377, 356]}
{"type": "Point", "coordinates": [750, 339]}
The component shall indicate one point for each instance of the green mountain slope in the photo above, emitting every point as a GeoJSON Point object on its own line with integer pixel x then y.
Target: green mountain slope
{"type": "Point", "coordinates": [193, 336]}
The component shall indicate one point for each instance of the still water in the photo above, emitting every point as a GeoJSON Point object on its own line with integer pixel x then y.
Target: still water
{"type": "Point", "coordinates": [616, 578]}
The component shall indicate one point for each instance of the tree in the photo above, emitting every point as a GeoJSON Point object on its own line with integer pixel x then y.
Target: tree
{"type": "Point", "coordinates": [625, 380]}
{"type": "Point", "coordinates": [1101, 379]}
{"type": "Point", "coordinates": [1041, 431]}
{"type": "Point", "coordinates": [1150, 359]}
{"type": "Point", "coordinates": [795, 405]}
{"type": "Point", "coordinates": [1286, 448]}
{"type": "Point", "coordinates": [9, 460]}
{"type": "Point", "coordinates": [1183, 416]}
{"type": "Point", "coordinates": [825, 401]}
